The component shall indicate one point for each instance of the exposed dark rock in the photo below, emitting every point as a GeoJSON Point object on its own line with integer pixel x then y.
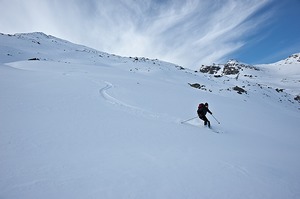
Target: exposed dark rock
{"type": "Point", "coordinates": [199, 86]}
{"type": "Point", "coordinates": [196, 85]}
{"type": "Point", "coordinates": [297, 98]}
{"type": "Point", "coordinates": [33, 59]}
{"type": "Point", "coordinates": [232, 67]}
{"type": "Point", "coordinates": [217, 75]}
{"type": "Point", "coordinates": [180, 68]}
{"type": "Point", "coordinates": [239, 90]}
{"type": "Point", "coordinates": [279, 90]}
{"type": "Point", "coordinates": [210, 69]}
{"type": "Point", "coordinates": [230, 70]}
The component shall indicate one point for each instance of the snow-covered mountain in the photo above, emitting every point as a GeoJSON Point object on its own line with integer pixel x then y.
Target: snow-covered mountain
{"type": "Point", "coordinates": [79, 123]}
{"type": "Point", "coordinates": [293, 59]}
{"type": "Point", "coordinates": [282, 76]}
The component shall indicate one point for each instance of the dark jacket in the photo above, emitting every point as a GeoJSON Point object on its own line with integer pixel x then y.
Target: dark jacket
{"type": "Point", "coordinates": [203, 111]}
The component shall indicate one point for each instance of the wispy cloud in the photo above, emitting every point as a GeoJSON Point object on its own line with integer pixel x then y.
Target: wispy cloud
{"type": "Point", "coordinates": [189, 33]}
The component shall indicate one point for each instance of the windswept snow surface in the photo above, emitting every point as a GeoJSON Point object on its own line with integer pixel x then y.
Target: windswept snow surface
{"type": "Point", "coordinates": [79, 123]}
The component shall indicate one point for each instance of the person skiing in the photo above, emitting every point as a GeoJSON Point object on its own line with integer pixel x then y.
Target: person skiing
{"type": "Point", "coordinates": [202, 110]}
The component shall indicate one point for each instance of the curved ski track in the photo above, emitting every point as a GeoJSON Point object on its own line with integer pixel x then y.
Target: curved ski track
{"type": "Point", "coordinates": [124, 106]}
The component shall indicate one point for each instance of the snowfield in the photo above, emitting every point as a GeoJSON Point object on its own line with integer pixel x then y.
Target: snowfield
{"type": "Point", "coordinates": [79, 123]}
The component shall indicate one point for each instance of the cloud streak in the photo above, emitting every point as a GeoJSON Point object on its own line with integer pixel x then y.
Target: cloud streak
{"type": "Point", "coordinates": [189, 33]}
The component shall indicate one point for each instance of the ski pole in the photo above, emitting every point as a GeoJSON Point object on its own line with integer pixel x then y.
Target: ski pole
{"type": "Point", "coordinates": [188, 120]}
{"type": "Point", "coordinates": [215, 118]}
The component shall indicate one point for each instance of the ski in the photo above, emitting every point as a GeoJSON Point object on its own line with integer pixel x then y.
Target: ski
{"type": "Point", "coordinates": [197, 126]}
{"type": "Point", "coordinates": [214, 130]}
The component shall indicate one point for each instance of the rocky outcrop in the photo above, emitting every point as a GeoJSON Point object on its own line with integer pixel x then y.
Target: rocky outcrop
{"type": "Point", "coordinates": [232, 67]}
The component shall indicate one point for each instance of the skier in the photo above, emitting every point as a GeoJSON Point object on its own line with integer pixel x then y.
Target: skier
{"type": "Point", "coordinates": [202, 110]}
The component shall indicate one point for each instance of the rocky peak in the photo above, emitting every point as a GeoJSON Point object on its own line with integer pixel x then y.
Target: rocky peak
{"type": "Point", "coordinates": [231, 67]}
{"type": "Point", "coordinates": [292, 59]}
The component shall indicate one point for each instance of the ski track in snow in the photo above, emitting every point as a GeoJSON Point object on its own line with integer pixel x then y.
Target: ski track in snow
{"type": "Point", "coordinates": [124, 106]}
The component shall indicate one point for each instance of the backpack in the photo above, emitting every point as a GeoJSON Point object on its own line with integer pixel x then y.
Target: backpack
{"type": "Point", "coordinates": [200, 107]}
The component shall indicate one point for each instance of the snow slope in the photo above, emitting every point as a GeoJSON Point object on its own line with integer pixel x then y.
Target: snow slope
{"type": "Point", "coordinates": [79, 123]}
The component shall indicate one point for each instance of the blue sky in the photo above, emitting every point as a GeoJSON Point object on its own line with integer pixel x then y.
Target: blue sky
{"type": "Point", "coordinates": [186, 32]}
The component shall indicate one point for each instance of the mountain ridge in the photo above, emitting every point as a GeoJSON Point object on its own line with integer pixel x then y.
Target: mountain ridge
{"type": "Point", "coordinates": [37, 37]}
